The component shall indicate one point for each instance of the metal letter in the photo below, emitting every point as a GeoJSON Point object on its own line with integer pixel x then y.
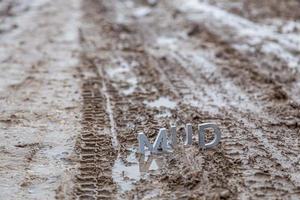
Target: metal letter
{"type": "Point", "coordinates": [188, 134]}
{"type": "Point", "coordinates": [217, 135]}
{"type": "Point", "coordinates": [143, 141]}
{"type": "Point", "coordinates": [173, 136]}
{"type": "Point", "coordinates": [161, 141]}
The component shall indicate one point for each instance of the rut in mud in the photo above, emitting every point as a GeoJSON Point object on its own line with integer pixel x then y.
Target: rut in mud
{"type": "Point", "coordinates": [95, 73]}
{"type": "Point", "coordinates": [170, 53]}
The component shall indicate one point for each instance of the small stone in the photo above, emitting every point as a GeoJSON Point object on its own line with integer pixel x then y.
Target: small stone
{"type": "Point", "coordinates": [225, 194]}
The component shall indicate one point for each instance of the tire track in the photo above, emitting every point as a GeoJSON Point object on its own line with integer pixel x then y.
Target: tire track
{"type": "Point", "coordinates": [248, 143]}
{"type": "Point", "coordinates": [150, 89]}
{"type": "Point", "coordinates": [259, 10]}
{"type": "Point", "coordinates": [95, 148]}
{"type": "Point", "coordinates": [97, 143]}
{"type": "Point", "coordinates": [251, 126]}
{"type": "Point", "coordinates": [249, 163]}
{"type": "Point", "coordinates": [115, 142]}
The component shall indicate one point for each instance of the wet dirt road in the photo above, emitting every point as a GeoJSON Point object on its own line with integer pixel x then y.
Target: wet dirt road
{"type": "Point", "coordinates": [78, 85]}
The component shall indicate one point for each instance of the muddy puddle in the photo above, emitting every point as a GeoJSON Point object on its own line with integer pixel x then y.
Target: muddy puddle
{"type": "Point", "coordinates": [130, 169]}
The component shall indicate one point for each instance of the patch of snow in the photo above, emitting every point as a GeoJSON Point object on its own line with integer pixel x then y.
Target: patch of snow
{"type": "Point", "coordinates": [243, 30]}
{"type": "Point", "coordinates": [141, 12]}
{"type": "Point", "coordinates": [161, 102]}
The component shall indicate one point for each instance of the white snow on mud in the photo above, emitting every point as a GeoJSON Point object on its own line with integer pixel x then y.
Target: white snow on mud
{"type": "Point", "coordinates": [245, 31]}
{"type": "Point", "coordinates": [80, 78]}
{"type": "Point", "coordinates": [39, 98]}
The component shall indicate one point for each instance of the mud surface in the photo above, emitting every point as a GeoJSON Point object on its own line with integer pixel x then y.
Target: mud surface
{"type": "Point", "coordinates": [94, 73]}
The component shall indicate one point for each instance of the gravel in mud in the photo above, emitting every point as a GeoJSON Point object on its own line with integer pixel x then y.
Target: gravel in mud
{"type": "Point", "coordinates": [94, 73]}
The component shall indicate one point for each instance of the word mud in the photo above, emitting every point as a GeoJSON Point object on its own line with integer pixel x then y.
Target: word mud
{"type": "Point", "coordinates": [164, 143]}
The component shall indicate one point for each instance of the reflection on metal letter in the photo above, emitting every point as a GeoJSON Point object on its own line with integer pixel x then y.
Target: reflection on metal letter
{"type": "Point", "coordinates": [166, 143]}
{"type": "Point", "coordinates": [173, 136]}
{"type": "Point", "coordinates": [143, 141]}
{"type": "Point", "coordinates": [161, 142]}
{"type": "Point", "coordinates": [188, 134]}
{"type": "Point", "coordinates": [144, 165]}
{"type": "Point", "coordinates": [217, 135]}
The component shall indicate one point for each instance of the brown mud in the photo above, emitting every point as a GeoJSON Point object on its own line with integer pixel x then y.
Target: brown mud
{"type": "Point", "coordinates": [143, 65]}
